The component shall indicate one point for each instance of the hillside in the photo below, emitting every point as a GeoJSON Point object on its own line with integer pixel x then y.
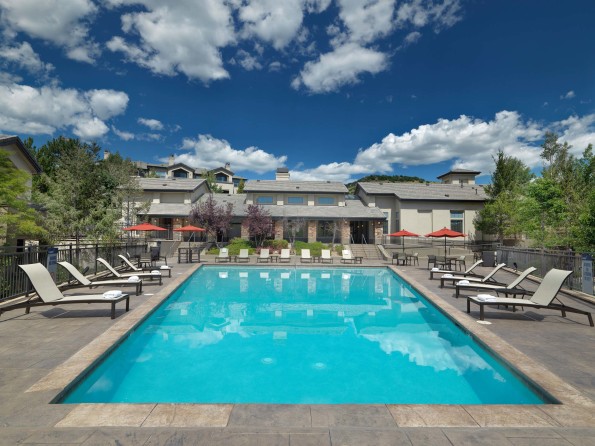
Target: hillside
{"type": "Point", "coordinates": [384, 179]}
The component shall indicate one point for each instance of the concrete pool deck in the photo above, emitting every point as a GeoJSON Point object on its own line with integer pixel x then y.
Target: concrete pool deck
{"type": "Point", "coordinates": [45, 350]}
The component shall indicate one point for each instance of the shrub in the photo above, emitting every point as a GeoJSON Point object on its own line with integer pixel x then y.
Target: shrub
{"type": "Point", "coordinates": [234, 247]}
{"type": "Point", "coordinates": [315, 247]}
{"type": "Point", "coordinates": [277, 245]}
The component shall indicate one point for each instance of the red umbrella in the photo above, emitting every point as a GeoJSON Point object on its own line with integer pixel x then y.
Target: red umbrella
{"type": "Point", "coordinates": [445, 232]}
{"type": "Point", "coordinates": [403, 233]}
{"type": "Point", "coordinates": [144, 227]}
{"type": "Point", "coordinates": [190, 228]}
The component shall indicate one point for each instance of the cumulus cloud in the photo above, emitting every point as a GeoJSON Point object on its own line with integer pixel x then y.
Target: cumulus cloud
{"type": "Point", "coordinates": [209, 152]}
{"type": "Point", "coordinates": [184, 36]}
{"type": "Point", "coordinates": [340, 67]}
{"type": "Point", "coordinates": [62, 22]}
{"type": "Point", "coordinates": [26, 109]}
{"type": "Point", "coordinates": [367, 20]}
{"type": "Point", "coordinates": [577, 131]}
{"type": "Point", "coordinates": [123, 135]}
{"type": "Point", "coordinates": [153, 124]}
{"type": "Point", "coordinates": [246, 61]}
{"type": "Point", "coordinates": [26, 58]}
{"type": "Point", "coordinates": [419, 13]}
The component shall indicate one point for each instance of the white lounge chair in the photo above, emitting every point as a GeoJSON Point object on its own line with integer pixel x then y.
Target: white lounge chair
{"type": "Point", "coordinates": [285, 256]}
{"type": "Point", "coordinates": [49, 294]}
{"type": "Point", "coordinates": [305, 256]}
{"type": "Point", "coordinates": [150, 275]}
{"type": "Point", "coordinates": [512, 288]}
{"type": "Point", "coordinates": [467, 272]}
{"type": "Point", "coordinates": [486, 279]}
{"type": "Point", "coordinates": [243, 256]}
{"type": "Point", "coordinates": [223, 256]}
{"type": "Point", "coordinates": [132, 267]}
{"type": "Point", "coordinates": [264, 257]}
{"type": "Point", "coordinates": [347, 257]}
{"type": "Point", "coordinates": [542, 298]}
{"type": "Point", "coordinates": [82, 280]}
{"type": "Point", "coordinates": [325, 256]}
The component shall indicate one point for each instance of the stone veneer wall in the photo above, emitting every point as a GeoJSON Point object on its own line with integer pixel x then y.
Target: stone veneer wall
{"type": "Point", "coordinates": [312, 224]}
{"type": "Point", "coordinates": [278, 229]}
{"type": "Point", "coordinates": [345, 233]}
{"type": "Point", "coordinates": [377, 231]}
{"type": "Point", "coordinates": [244, 232]}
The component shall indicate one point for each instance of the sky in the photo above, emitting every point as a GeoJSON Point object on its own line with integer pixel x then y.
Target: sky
{"type": "Point", "coordinates": [331, 89]}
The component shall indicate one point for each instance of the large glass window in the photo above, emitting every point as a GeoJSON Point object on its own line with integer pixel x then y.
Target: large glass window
{"type": "Point", "coordinates": [180, 173]}
{"type": "Point", "coordinates": [264, 199]}
{"type": "Point", "coordinates": [295, 200]}
{"type": "Point", "coordinates": [385, 223]}
{"type": "Point", "coordinates": [456, 220]}
{"type": "Point", "coordinates": [220, 178]}
{"type": "Point", "coordinates": [326, 201]}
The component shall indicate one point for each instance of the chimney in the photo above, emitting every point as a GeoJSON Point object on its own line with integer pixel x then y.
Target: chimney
{"type": "Point", "coordinates": [227, 166]}
{"type": "Point", "coordinates": [282, 174]}
{"type": "Point", "coordinates": [172, 160]}
{"type": "Point", "coordinates": [106, 154]}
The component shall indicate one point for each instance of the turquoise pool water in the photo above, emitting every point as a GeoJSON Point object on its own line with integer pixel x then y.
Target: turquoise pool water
{"type": "Point", "coordinates": [276, 335]}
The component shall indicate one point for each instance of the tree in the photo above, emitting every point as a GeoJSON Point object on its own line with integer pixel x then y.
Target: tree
{"type": "Point", "coordinates": [214, 218]}
{"type": "Point", "coordinates": [500, 215]}
{"type": "Point", "coordinates": [293, 228]}
{"type": "Point", "coordinates": [211, 181]}
{"type": "Point", "coordinates": [16, 216]}
{"type": "Point", "coordinates": [241, 187]}
{"type": "Point", "coordinates": [258, 222]}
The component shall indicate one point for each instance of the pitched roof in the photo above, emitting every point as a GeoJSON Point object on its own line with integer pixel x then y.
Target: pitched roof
{"type": "Point", "coordinates": [170, 184]}
{"type": "Point", "coordinates": [427, 191]}
{"type": "Point", "coordinates": [6, 140]}
{"type": "Point", "coordinates": [169, 209]}
{"type": "Point", "coordinates": [295, 186]}
{"type": "Point", "coordinates": [459, 171]}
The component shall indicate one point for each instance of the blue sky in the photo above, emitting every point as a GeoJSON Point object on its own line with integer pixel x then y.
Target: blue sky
{"type": "Point", "coordinates": [331, 89]}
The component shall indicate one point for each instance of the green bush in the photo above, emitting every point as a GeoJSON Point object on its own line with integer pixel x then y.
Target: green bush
{"type": "Point", "coordinates": [315, 247]}
{"type": "Point", "coordinates": [277, 245]}
{"type": "Point", "coordinates": [234, 247]}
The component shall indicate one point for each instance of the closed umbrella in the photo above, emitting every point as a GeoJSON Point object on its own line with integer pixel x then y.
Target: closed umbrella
{"type": "Point", "coordinates": [403, 233]}
{"type": "Point", "coordinates": [445, 232]}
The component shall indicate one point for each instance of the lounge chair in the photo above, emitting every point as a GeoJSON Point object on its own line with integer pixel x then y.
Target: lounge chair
{"type": "Point", "coordinates": [325, 256]}
{"type": "Point", "coordinates": [488, 278]}
{"type": "Point", "coordinates": [305, 256]}
{"type": "Point", "coordinates": [512, 288]}
{"type": "Point", "coordinates": [49, 294]}
{"type": "Point", "coordinates": [542, 298]}
{"type": "Point", "coordinates": [347, 257]}
{"type": "Point", "coordinates": [467, 272]}
{"type": "Point", "coordinates": [243, 256]}
{"type": "Point", "coordinates": [223, 256]}
{"type": "Point", "coordinates": [432, 260]}
{"type": "Point", "coordinates": [131, 266]}
{"type": "Point", "coordinates": [151, 275]}
{"type": "Point", "coordinates": [82, 280]}
{"type": "Point", "coordinates": [285, 256]}
{"type": "Point", "coordinates": [264, 257]}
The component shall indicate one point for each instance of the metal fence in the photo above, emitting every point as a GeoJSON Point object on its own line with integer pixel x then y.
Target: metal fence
{"type": "Point", "coordinates": [14, 282]}
{"type": "Point", "coordinates": [544, 260]}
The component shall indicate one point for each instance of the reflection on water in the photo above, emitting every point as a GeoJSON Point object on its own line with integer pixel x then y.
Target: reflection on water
{"type": "Point", "coordinates": [295, 335]}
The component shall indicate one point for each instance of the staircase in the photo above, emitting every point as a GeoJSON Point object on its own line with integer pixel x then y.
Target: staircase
{"type": "Point", "coordinates": [369, 252]}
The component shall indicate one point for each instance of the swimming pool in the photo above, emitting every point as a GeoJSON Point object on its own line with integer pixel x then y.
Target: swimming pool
{"type": "Point", "coordinates": [300, 336]}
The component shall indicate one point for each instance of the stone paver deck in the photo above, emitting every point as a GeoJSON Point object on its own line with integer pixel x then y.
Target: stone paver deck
{"type": "Point", "coordinates": [43, 351]}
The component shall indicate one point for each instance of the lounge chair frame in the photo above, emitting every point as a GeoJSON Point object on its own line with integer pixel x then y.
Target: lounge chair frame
{"type": "Point", "coordinates": [487, 279]}
{"type": "Point", "coordinates": [512, 288]}
{"type": "Point", "coordinates": [48, 293]}
{"type": "Point", "coordinates": [542, 298]}
{"type": "Point", "coordinates": [84, 281]}
{"type": "Point", "coordinates": [285, 256]}
{"type": "Point", "coordinates": [467, 272]}
{"type": "Point", "coordinates": [264, 257]}
{"type": "Point", "coordinates": [305, 256]}
{"type": "Point", "coordinates": [112, 270]}
{"type": "Point", "coordinates": [223, 258]}
{"type": "Point", "coordinates": [243, 256]}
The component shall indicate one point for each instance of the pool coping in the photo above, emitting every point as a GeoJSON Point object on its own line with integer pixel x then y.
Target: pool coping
{"type": "Point", "coordinates": [575, 409]}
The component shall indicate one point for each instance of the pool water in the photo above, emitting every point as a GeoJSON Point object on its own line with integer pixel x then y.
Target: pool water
{"type": "Point", "coordinates": [300, 336]}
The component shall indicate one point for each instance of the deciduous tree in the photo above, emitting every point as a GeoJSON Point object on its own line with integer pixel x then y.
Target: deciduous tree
{"type": "Point", "coordinates": [214, 218]}
{"type": "Point", "coordinates": [259, 223]}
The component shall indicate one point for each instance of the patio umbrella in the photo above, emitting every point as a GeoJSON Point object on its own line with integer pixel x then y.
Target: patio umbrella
{"type": "Point", "coordinates": [403, 233]}
{"type": "Point", "coordinates": [190, 228]}
{"type": "Point", "coordinates": [144, 227]}
{"type": "Point", "coordinates": [445, 232]}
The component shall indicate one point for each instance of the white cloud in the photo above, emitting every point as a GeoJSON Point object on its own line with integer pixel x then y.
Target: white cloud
{"type": "Point", "coordinates": [107, 103]}
{"type": "Point", "coordinates": [340, 67]}
{"type": "Point", "coordinates": [577, 131]}
{"type": "Point", "coordinates": [568, 95]}
{"type": "Point", "coordinates": [25, 57]}
{"type": "Point", "coordinates": [247, 61]}
{"type": "Point", "coordinates": [62, 22]}
{"type": "Point", "coordinates": [153, 124]}
{"type": "Point", "coordinates": [184, 36]}
{"type": "Point", "coordinates": [367, 20]}
{"type": "Point", "coordinates": [411, 38]}
{"type": "Point", "coordinates": [209, 152]}
{"type": "Point", "coordinates": [26, 109]}
{"type": "Point", "coordinates": [126, 136]}
{"type": "Point", "coordinates": [419, 13]}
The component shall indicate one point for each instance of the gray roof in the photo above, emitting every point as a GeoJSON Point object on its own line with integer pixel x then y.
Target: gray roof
{"type": "Point", "coordinates": [354, 209]}
{"type": "Point", "coordinates": [169, 209]}
{"type": "Point", "coordinates": [170, 184]}
{"type": "Point", "coordinates": [427, 191]}
{"type": "Point", "coordinates": [465, 171]}
{"type": "Point", "coordinates": [6, 140]}
{"type": "Point", "coordinates": [295, 186]}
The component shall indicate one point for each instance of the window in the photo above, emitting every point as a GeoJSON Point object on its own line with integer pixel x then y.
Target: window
{"type": "Point", "coordinates": [236, 182]}
{"type": "Point", "coordinates": [326, 201]}
{"type": "Point", "coordinates": [264, 200]}
{"type": "Point", "coordinates": [385, 223]}
{"type": "Point", "coordinates": [179, 173]}
{"type": "Point", "coordinates": [456, 220]}
{"type": "Point", "coordinates": [295, 200]}
{"type": "Point", "coordinates": [220, 178]}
